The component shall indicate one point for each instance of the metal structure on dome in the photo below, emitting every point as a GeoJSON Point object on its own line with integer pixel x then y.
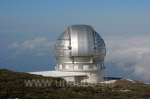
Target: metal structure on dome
{"type": "Point", "coordinates": [81, 49]}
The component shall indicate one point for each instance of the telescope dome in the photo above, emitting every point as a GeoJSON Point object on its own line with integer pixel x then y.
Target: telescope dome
{"type": "Point", "coordinates": [79, 48]}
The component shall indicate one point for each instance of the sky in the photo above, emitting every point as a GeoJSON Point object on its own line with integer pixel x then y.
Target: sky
{"type": "Point", "coordinates": [29, 29]}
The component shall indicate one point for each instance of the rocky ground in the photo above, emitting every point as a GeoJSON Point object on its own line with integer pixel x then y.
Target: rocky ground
{"type": "Point", "coordinates": [24, 85]}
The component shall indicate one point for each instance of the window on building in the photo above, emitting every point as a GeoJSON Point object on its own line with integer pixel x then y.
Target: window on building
{"type": "Point", "coordinates": [60, 66]}
{"type": "Point", "coordinates": [102, 66]}
{"type": "Point", "coordinates": [67, 66]}
{"type": "Point", "coordinates": [103, 51]}
{"type": "Point", "coordinates": [57, 66]}
{"type": "Point", "coordinates": [76, 67]}
{"type": "Point", "coordinates": [95, 67]}
{"type": "Point", "coordinates": [85, 67]}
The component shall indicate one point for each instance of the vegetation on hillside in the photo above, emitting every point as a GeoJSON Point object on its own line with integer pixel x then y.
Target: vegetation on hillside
{"type": "Point", "coordinates": [15, 85]}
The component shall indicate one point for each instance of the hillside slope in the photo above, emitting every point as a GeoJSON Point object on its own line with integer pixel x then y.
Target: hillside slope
{"type": "Point", "coordinates": [16, 85]}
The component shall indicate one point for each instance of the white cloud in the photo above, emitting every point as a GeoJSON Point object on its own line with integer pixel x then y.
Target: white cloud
{"type": "Point", "coordinates": [130, 54]}
{"type": "Point", "coordinates": [39, 45]}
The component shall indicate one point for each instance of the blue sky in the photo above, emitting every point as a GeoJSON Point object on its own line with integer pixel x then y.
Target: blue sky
{"type": "Point", "coordinates": [109, 16]}
{"type": "Point", "coordinates": [124, 25]}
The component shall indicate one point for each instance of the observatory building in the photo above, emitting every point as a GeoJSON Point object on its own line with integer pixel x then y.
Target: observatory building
{"type": "Point", "coordinates": [79, 53]}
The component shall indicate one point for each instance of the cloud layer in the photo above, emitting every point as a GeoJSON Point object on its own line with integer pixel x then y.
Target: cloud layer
{"type": "Point", "coordinates": [130, 54]}
{"type": "Point", "coordinates": [40, 46]}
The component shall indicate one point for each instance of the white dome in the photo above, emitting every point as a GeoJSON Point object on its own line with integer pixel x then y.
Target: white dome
{"type": "Point", "coordinates": [77, 46]}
